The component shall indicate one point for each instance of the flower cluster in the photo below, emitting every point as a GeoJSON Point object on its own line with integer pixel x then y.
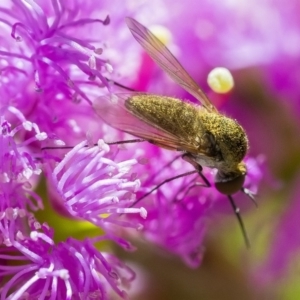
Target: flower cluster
{"type": "Point", "coordinates": [56, 57]}
{"type": "Point", "coordinates": [48, 65]}
{"type": "Point", "coordinates": [25, 239]}
{"type": "Point", "coordinates": [19, 169]}
{"type": "Point", "coordinates": [95, 188]}
{"type": "Point", "coordinates": [34, 265]}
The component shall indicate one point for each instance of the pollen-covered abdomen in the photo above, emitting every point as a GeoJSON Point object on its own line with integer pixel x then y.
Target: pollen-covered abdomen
{"type": "Point", "coordinates": [170, 114]}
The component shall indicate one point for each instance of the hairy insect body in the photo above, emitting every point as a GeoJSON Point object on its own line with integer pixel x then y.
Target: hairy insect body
{"type": "Point", "coordinates": [200, 132]}
{"type": "Point", "coordinates": [215, 140]}
{"type": "Point", "coordinates": [169, 114]}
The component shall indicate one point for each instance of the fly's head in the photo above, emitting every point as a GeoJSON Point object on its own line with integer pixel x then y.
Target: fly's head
{"type": "Point", "coordinates": [231, 182]}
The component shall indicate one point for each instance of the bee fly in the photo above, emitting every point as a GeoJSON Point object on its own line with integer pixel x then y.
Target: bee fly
{"type": "Point", "coordinates": [204, 136]}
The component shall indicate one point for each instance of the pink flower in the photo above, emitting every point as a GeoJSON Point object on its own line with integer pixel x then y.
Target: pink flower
{"type": "Point", "coordinates": [95, 187]}
{"type": "Point", "coordinates": [51, 64]}
{"type": "Point", "coordinates": [19, 168]}
{"type": "Point", "coordinates": [70, 270]}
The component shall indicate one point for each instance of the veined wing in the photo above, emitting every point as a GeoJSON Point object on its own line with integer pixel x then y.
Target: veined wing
{"type": "Point", "coordinates": [166, 60]}
{"type": "Point", "coordinates": [113, 111]}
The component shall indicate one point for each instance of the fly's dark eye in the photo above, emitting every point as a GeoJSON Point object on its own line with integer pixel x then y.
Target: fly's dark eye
{"type": "Point", "coordinates": [232, 186]}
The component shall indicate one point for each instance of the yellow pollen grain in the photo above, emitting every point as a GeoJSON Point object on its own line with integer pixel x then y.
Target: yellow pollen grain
{"type": "Point", "coordinates": [220, 80]}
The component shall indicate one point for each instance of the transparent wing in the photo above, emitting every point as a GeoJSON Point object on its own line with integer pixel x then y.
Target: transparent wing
{"type": "Point", "coordinates": [113, 111]}
{"type": "Point", "coordinates": [165, 59]}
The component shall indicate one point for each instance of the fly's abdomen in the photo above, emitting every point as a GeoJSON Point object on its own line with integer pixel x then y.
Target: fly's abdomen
{"type": "Point", "coordinates": [170, 114]}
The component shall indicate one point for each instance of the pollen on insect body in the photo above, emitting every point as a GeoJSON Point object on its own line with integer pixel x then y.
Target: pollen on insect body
{"type": "Point", "coordinates": [220, 80]}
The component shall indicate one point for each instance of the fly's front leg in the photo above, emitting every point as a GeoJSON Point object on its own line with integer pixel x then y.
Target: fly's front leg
{"type": "Point", "coordinates": [187, 157]}
{"type": "Point", "coordinates": [198, 168]}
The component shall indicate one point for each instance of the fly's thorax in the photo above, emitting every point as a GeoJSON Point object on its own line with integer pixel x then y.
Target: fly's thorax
{"type": "Point", "coordinates": [229, 143]}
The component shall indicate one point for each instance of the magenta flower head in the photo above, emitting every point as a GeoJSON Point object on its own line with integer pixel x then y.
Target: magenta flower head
{"type": "Point", "coordinates": [19, 168]}
{"type": "Point", "coordinates": [48, 44]}
{"type": "Point", "coordinates": [49, 65]}
{"type": "Point", "coordinates": [95, 187]}
{"type": "Point", "coordinates": [70, 270]}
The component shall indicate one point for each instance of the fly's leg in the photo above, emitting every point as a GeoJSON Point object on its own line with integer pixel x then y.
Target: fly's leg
{"type": "Point", "coordinates": [236, 210]}
{"type": "Point", "coordinates": [162, 183]}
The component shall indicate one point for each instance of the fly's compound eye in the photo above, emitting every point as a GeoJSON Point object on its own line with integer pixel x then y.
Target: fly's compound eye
{"type": "Point", "coordinates": [231, 186]}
